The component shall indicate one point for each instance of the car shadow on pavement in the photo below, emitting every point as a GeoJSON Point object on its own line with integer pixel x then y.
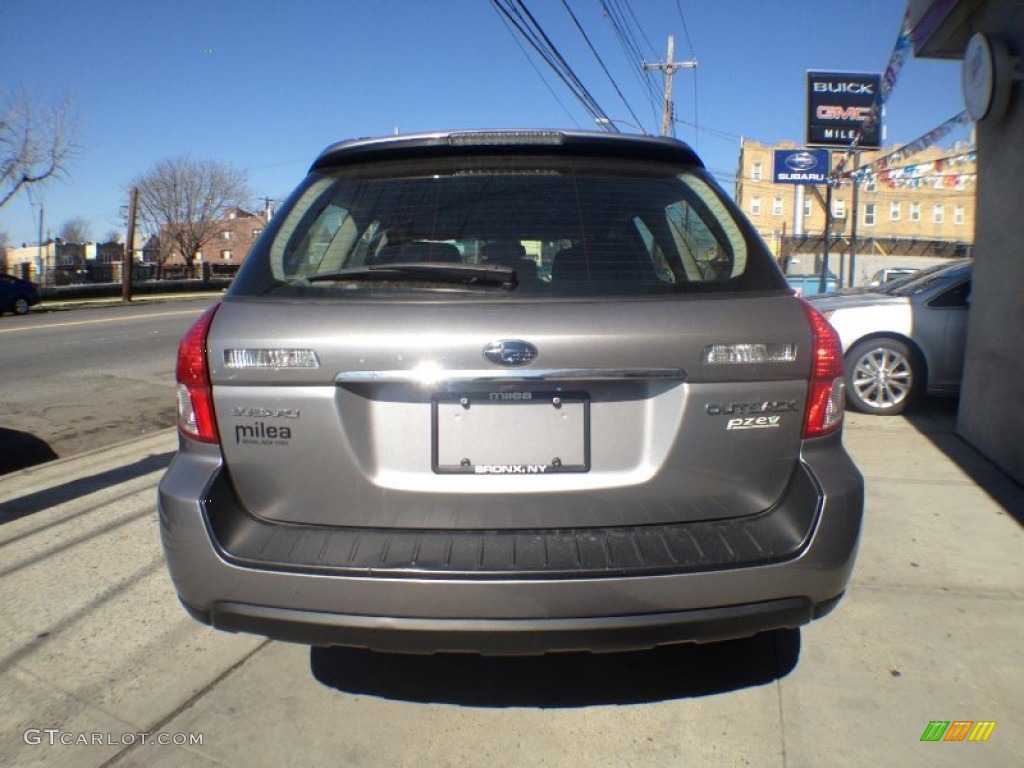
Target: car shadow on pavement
{"type": "Point", "coordinates": [562, 680]}
{"type": "Point", "coordinates": [20, 450]}
{"type": "Point", "coordinates": [73, 489]}
{"type": "Point", "coordinates": [935, 418]}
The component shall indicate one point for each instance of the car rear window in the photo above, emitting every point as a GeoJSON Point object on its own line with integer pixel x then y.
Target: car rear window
{"type": "Point", "coordinates": [506, 226]}
{"type": "Point", "coordinates": [926, 278]}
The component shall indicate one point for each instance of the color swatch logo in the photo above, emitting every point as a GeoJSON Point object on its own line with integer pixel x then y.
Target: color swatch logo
{"type": "Point", "coordinates": [958, 730]}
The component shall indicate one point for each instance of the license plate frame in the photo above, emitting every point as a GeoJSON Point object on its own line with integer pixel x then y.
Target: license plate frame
{"type": "Point", "coordinates": [562, 419]}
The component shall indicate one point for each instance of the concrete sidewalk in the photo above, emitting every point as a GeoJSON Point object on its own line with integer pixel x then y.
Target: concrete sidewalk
{"type": "Point", "coordinates": [94, 643]}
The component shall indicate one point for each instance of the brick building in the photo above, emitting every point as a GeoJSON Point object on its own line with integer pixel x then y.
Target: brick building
{"type": "Point", "coordinates": [233, 236]}
{"type": "Point", "coordinates": [920, 211]}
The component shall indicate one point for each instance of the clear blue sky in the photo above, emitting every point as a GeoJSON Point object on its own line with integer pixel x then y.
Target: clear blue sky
{"type": "Point", "coordinates": [265, 86]}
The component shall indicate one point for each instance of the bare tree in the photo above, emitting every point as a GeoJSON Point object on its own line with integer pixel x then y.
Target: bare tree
{"type": "Point", "coordinates": [159, 249]}
{"type": "Point", "coordinates": [113, 236]}
{"type": "Point", "coordinates": [35, 143]}
{"type": "Point", "coordinates": [181, 200]}
{"type": "Point", "coordinates": [76, 230]}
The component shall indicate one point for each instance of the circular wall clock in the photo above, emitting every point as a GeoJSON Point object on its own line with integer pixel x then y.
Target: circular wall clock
{"type": "Point", "coordinates": [987, 77]}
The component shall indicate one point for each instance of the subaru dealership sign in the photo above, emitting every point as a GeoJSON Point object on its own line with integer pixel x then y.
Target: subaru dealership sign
{"type": "Point", "coordinates": [800, 166]}
{"type": "Point", "coordinates": [840, 109]}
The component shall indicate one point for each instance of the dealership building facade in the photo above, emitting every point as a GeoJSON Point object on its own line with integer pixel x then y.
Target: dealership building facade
{"type": "Point", "coordinates": [988, 35]}
{"type": "Point", "coordinates": [973, 206]}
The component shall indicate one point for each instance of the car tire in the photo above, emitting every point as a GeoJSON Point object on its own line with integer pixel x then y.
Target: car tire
{"type": "Point", "coordinates": [883, 376]}
{"type": "Point", "coordinates": [21, 306]}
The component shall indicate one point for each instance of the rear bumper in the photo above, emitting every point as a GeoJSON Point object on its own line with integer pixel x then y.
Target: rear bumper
{"type": "Point", "coordinates": [511, 636]}
{"type": "Point", "coordinates": [230, 571]}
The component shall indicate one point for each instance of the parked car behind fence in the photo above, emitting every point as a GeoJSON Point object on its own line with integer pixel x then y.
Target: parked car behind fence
{"type": "Point", "coordinates": [16, 295]}
{"type": "Point", "coordinates": [887, 275]}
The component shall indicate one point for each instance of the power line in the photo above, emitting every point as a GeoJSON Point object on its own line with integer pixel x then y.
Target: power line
{"type": "Point", "coordinates": [686, 31]}
{"type": "Point", "coordinates": [696, 74]}
{"type": "Point", "coordinates": [631, 48]}
{"type": "Point", "coordinates": [540, 74]}
{"type": "Point", "coordinates": [623, 29]}
{"type": "Point", "coordinates": [636, 25]}
{"type": "Point", "coordinates": [717, 133]}
{"type": "Point", "coordinates": [600, 61]}
{"type": "Point", "coordinates": [278, 165]}
{"type": "Point", "coordinates": [520, 17]}
{"type": "Point", "coordinates": [586, 97]}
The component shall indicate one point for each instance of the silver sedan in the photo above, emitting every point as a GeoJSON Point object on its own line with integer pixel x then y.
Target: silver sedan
{"type": "Point", "coordinates": [904, 338]}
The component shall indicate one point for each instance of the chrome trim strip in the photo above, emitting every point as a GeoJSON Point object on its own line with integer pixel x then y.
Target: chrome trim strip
{"type": "Point", "coordinates": [431, 377]}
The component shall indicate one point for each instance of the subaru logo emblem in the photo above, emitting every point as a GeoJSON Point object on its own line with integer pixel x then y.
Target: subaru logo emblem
{"type": "Point", "coordinates": [510, 352]}
{"type": "Point", "coordinates": [801, 161]}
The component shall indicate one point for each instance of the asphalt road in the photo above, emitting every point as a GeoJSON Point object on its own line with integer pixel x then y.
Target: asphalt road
{"type": "Point", "coordinates": [74, 381]}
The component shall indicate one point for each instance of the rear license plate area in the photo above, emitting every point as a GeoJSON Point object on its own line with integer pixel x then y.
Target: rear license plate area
{"type": "Point", "coordinates": [511, 433]}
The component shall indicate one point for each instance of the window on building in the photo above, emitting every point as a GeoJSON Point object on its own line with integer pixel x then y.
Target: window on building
{"type": "Point", "coordinates": [807, 207]}
{"type": "Point", "coordinates": [756, 173]}
{"type": "Point", "coordinates": [915, 211]}
{"type": "Point", "coordinates": [937, 213]}
{"type": "Point", "coordinates": [226, 255]}
{"type": "Point", "coordinates": [755, 206]}
{"type": "Point", "coordinates": [777, 206]}
{"type": "Point", "coordinates": [256, 233]}
{"type": "Point", "coordinates": [232, 214]}
{"type": "Point", "coordinates": [869, 214]}
{"type": "Point", "coordinates": [839, 208]}
{"type": "Point", "coordinates": [871, 185]}
{"type": "Point", "coordinates": [894, 210]}
{"type": "Point", "coordinates": [227, 234]}
{"type": "Point", "coordinates": [958, 215]}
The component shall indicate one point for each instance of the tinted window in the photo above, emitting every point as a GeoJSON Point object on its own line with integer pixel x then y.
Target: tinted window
{"type": "Point", "coordinates": [953, 298]}
{"type": "Point", "coordinates": [925, 279]}
{"type": "Point", "coordinates": [565, 227]}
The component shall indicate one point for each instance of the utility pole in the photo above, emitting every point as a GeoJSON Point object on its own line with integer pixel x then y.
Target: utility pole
{"type": "Point", "coordinates": [669, 68]}
{"type": "Point", "coordinates": [829, 220]}
{"type": "Point", "coordinates": [799, 191]}
{"type": "Point", "coordinates": [129, 248]}
{"type": "Point", "coordinates": [823, 278]}
{"type": "Point", "coordinates": [853, 222]}
{"type": "Point", "coordinates": [42, 261]}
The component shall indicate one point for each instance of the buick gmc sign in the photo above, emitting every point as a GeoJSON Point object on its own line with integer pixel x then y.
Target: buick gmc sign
{"type": "Point", "coordinates": [839, 106]}
{"type": "Point", "coordinates": [800, 166]}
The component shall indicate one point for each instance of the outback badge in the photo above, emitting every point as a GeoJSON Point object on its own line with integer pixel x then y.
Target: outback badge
{"type": "Point", "coordinates": [510, 352]}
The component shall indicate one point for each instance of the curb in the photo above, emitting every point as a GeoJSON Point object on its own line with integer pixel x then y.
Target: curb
{"type": "Point", "coordinates": [29, 473]}
{"type": "Point", "coordinates": [160, 298]}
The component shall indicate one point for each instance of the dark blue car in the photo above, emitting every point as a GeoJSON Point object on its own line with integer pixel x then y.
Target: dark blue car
{"type": "Point", "coordinates": [17, 295]}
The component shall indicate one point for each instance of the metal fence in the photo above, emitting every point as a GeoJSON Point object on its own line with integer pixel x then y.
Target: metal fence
{"type": "Point", "coordinates": [94, 273]}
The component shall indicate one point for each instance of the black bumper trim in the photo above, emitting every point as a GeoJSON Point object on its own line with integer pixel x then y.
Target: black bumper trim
{"type": "Point", "coordinates": [776, 535]}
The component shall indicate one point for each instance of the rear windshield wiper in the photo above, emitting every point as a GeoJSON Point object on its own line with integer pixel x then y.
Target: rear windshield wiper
{"type": "Point", "coordinates": [428, 272]}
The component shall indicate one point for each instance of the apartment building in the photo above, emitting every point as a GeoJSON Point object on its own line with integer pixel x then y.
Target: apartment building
{"type": "Point", "coordinates": [914, 210]}
{"type": "Point", "coordinates": [232, 238]}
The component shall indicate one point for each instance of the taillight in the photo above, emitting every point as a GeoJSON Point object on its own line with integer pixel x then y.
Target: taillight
{"type": "Point", "coordinates": [826, 393]}
{"type": "Point", "coordinates": [195, 395]}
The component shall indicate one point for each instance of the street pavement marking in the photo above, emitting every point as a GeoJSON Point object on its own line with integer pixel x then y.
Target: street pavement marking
{"type": "Point", "coordinates": [101, 320]}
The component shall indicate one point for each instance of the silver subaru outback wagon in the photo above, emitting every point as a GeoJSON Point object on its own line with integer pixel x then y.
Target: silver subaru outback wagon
{"type": "Point", "coordinates": [509, 392]}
